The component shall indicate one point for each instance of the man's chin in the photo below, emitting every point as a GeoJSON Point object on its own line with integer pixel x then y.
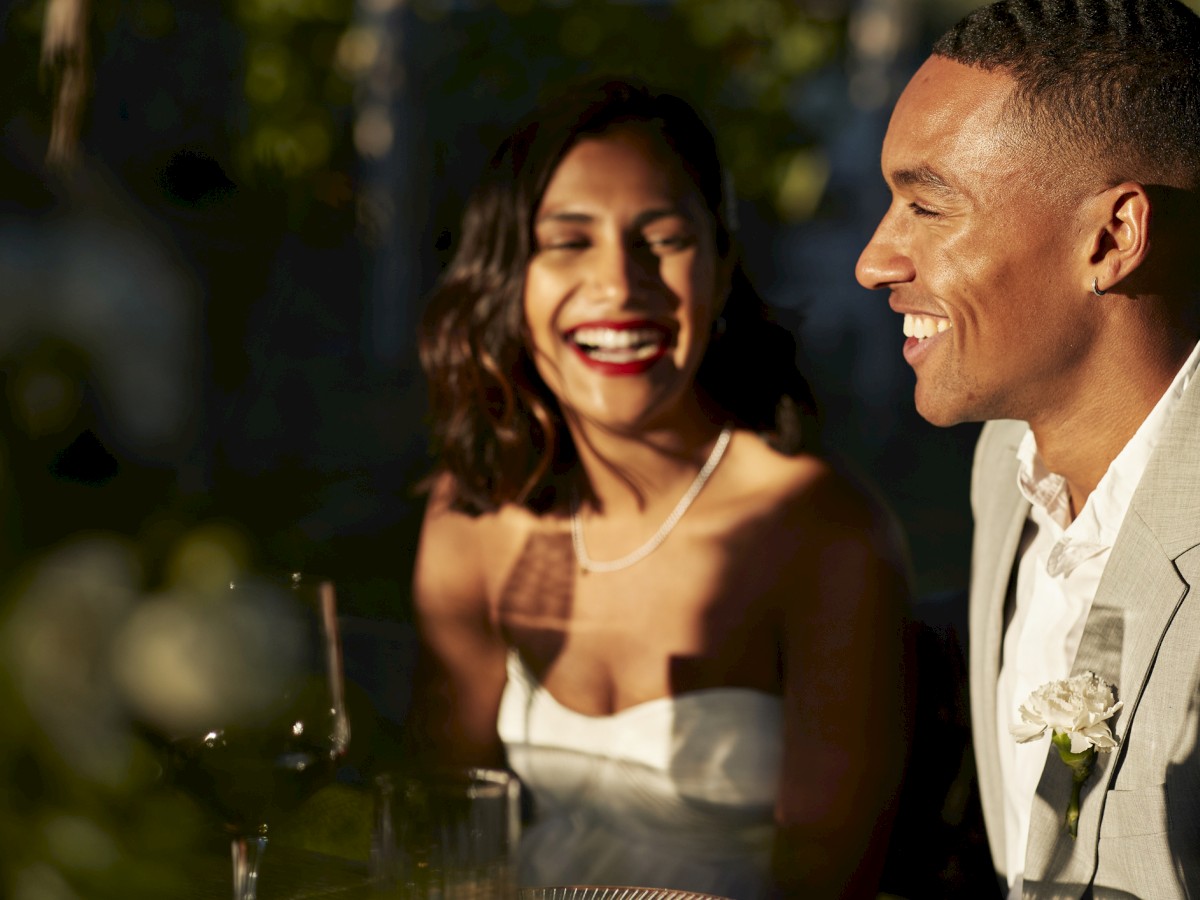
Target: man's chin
{"type": "Point", "coordinates": [942, 415]}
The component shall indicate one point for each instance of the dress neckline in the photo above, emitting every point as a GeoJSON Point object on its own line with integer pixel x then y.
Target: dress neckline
{"type": "Point", "coordinates": [743, 694]}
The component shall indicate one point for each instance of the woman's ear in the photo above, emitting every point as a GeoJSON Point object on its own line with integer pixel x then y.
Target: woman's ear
{"type": "Point", "coordinates": [1120, 235]}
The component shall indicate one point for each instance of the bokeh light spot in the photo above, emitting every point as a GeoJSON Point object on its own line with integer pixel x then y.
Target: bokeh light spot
{"type": "Point", "coordinates": [267, 74]}
{"type": "Point", "coordinates": [802, 185]}
{"type": "Point", "coordinates": [207, 558]}
{"type": "Point", "coordinates": [357, 51]}
{"type": "Point", "coordinates": [373, 132]}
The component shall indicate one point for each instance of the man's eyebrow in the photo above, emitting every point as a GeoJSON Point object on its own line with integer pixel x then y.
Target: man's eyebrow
{"type": "Point", "coordinates": [922, 176]}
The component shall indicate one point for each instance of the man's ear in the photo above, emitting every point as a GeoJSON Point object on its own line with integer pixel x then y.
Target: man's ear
{"type": "Point", "coordinates": [1120, 234]}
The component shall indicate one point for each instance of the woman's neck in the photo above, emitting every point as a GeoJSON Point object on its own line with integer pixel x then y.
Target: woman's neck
{"type": "Point", "coordinates": [631, 473]}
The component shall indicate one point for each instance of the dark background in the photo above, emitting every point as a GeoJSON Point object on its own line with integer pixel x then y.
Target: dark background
{"type": "Point", "coordinates": [226, 133]}
{"type": "Point", "coordinates": [206, 321]}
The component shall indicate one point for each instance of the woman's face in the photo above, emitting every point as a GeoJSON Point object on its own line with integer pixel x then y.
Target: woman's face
{"type": "Point", "coordinates": [624, 282]}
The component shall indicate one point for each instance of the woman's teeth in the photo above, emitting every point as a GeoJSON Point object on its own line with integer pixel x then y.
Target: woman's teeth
{"type": "Point", "coordinates": [922, 327]}
{"type": "Point", "coordinates": [619, 344]}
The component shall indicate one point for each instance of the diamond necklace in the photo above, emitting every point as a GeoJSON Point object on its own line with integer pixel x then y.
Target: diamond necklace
{"type": "Point", "coordinates": [590, 565]}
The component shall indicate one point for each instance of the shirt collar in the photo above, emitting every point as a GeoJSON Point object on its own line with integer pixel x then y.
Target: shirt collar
{"type": "Point", "coordinates": [1097, 524]}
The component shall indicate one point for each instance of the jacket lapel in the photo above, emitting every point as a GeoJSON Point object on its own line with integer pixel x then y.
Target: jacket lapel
{"type": "Point", "coordinates": [1137, 598]}
{"type": "Point", "coordinates": [998, 529]}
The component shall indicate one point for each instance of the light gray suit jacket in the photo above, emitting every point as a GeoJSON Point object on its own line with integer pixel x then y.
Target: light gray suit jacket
{"type": "Point", "coordinates": [1139, 823]}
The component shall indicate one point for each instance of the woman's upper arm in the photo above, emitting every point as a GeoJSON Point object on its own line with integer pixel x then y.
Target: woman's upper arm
{"type": "Point", "coordinates": [846, 692]}
{"type": "Point", "coordinates": [461, 670]}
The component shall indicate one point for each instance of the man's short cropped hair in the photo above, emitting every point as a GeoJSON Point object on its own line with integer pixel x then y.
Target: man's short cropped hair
{"type": "Point", "coordinates": [1105, 86]}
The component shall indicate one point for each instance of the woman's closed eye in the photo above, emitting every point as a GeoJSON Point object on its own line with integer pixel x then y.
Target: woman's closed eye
{"type": "Point", "coordinates": [669, 242]}
{"type": "Point", "coordinates": [563, 242]}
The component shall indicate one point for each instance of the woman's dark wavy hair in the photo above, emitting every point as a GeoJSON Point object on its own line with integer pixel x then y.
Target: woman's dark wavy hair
{"type": "Point", "coordinates": [497, 428]}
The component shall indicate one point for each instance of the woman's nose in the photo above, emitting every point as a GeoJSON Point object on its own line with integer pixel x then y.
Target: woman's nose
{"type": "Point", "coordinates": [617, 270]}
{"type": "Point", "coordinates": [884, 262]}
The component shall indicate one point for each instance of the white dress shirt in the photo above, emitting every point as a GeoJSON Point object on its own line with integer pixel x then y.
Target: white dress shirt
{"type": "Point", "coordinates": [1060, 563]}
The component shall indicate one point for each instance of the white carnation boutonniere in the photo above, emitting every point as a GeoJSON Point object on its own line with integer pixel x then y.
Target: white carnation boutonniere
{"type": "Point", "coordinates": [1076, 711]}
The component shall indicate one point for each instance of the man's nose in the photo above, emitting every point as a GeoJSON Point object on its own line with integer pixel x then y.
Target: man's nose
{"type": "Point", "coordinates": [884, 261]}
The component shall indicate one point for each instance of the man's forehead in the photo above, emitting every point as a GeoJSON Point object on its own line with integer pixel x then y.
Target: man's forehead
{"type": "Point", "coordinates": [944, 94]}
{"type": "Point", "coordinates": [949, 118]}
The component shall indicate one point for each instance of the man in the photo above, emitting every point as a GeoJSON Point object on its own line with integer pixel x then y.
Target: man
{"type": "Point", "coordinates": [1041, 242]}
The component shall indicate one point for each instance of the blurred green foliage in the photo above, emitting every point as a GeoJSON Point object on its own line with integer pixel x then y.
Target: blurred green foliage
{"type": "Point", "coordinates": [83, 812]}
{"type": "Point", "coordinates": [743, 63]}
{"type": "Point", "coordinates": [293, 88]}
{"type": "Point", "coordinates": [82, 809]}
{"type": "Point", "coordinates": [304, 62]}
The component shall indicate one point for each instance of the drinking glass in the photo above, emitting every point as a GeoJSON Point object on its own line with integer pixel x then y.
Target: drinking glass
{"type": "Point", "coordinates": [282, 739]}
{"type": "Point", "coordinates": [449, 834]}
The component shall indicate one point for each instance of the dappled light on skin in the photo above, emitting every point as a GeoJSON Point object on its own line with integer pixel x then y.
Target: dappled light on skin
{"type": "Point", "coordinates": [537, 600]}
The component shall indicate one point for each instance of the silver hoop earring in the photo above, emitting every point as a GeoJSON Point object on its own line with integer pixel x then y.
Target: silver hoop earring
{"type": "Point", "coordinates": [1096, 288]}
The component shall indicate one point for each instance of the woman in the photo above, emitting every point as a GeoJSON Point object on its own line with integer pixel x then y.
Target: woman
{"type": "Point", "coordinates": [636, 584]}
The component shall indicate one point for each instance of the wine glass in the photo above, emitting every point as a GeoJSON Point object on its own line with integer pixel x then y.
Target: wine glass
{"type": "Point", "coordinates": [281, 738]}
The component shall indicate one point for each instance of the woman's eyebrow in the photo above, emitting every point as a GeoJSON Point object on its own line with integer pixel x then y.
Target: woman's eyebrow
{"type": "Point", "coordinates": [666, 212]}
{"type": "Point", "coordinates": [564, 215]}
{"type": "Point", "coordinates": [579, 217]}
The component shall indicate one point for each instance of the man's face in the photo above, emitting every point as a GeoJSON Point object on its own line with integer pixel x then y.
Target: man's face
{"type": "Point", "coordinates": [988, 268]}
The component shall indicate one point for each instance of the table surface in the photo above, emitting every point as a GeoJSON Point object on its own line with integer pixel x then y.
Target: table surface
{"type": "Point", "coordinates": [285, 873]}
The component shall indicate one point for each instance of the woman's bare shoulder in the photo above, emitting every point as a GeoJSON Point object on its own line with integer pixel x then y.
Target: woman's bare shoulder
{"type": "Point", "coordinates": [459, 553]}
{"type": "Point", "coordinates": [840, 550]}
{"type": "Point", "coordinates": [803, 487]}
{"type": "Point", "coordinates": [813, 506]}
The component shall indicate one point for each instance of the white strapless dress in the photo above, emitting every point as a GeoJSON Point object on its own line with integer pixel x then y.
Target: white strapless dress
{"type": "Point", "coordinates": [677, 792]}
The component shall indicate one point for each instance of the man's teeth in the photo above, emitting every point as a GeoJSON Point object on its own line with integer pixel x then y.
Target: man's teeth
{"type": "Point", "coordinates": [922, 327]}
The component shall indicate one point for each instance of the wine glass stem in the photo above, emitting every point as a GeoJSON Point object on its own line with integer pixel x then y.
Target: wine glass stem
{"type": "Point", "coordinates": [247, 853]}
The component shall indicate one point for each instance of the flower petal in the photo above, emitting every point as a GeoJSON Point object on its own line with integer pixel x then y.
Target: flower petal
{"type": "Point", "coordinates": [1080, 742]}
{"type": "Point", "coordinates": [1025, 732]}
